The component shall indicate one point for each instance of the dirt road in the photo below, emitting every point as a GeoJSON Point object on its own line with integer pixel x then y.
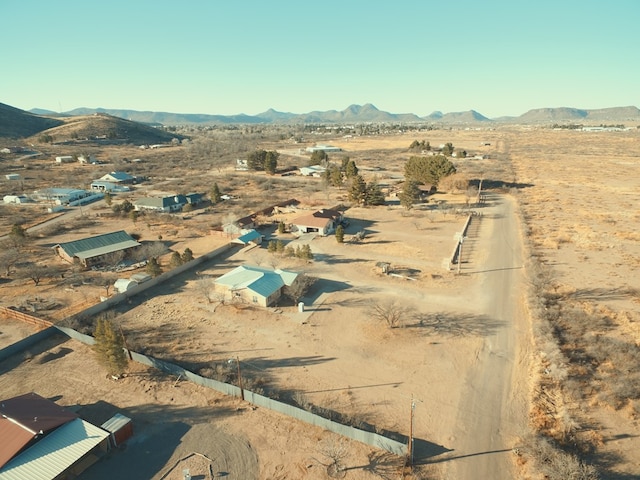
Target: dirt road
{"type": "Point", "coordinates": [492, 412]}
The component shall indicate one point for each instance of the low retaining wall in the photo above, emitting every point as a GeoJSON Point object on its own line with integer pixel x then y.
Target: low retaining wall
{"type": "Point", "coordinates": [454, 255]}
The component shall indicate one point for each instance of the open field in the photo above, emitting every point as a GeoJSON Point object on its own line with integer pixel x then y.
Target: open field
{"type": "Point", "coordinates": [579, 229]}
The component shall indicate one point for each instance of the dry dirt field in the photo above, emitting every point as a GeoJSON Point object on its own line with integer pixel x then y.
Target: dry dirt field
{"type": "Point", "coordinates": [579, 221]}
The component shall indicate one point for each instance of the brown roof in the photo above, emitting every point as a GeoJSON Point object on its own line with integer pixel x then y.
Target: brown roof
{"type": "Point", "coordinates": [317, 219]}
{"type": "Point", "coordinates": [25, 417]}
{"type": "Point", "coordinates": [14, 438]}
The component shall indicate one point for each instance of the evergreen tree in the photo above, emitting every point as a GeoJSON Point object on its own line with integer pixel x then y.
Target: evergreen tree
{"type": "Point", "coordinates": [176, 260]}
{"type": "Point", "coordinates": [318, 157]}
{"type": "Point", "coordinates": [187, 255]}
{"type": "Point", "coordinates": [109, 347]}
{"type": "Point", "coordinates": [373, 194]}
{"type": "Point", "coordinates": [271, 162]}
{"type": "Point", "coordinates": [358, 190]}
{"type": "Point", "coordinates": [271, 248]}
{"type": "Point", "coordinates": [108, 198]}
{"type": "Point", "coordinates": [428, 170]}
{"type": "Point", "coordinates": [279, 247]}
{"type": "Point", "coordinates": [281, 227]}
{"type": "Point", "coordinates": [153, 267]}
{"type": "Point", "coordinates": [215, 194]}
{"type": "Point", "coordinates": [340, 234]}
{"type": "Point", "coordinates": [448, 149]}
{"type": "Point", "coordinates": [410, 194]}
{"type": "Point", "coordinates": [351, 170]}
{"type": "Point", "coordinates": [255, 160]}
{"type": "Point", "coordinates": [305, 252]}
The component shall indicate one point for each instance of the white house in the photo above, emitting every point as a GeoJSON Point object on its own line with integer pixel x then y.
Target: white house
{"type": "Point", "coordinates": [118, 177]}
{"type": "Point", "coordinates": [12, 176]}
{"type": "Point", "coordinates": [261, 286]}
{"type": "Point", "coordinates": [60, 196]}
{"type": "Point", "coordinates": [322, 222]}
{"type": "Point", "coordinates": [312, 171]}
{"type": "Point", "coordinates": [103, 186]}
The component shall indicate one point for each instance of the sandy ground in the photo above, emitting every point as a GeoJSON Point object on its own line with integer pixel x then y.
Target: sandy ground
{"type": "Point", "coordinates": [336, 355]}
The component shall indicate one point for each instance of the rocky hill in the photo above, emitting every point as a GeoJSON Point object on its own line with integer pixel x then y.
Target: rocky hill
{"type": "Point", "coordinates": [16, 123]}
{"type": "Point", "coordinates": [107, 127]}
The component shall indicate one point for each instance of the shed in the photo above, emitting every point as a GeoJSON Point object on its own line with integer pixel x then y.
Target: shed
{"type": "Point", "coordinates": [124, 284]}
{"type": "Point", "coordinates": [120, 429]}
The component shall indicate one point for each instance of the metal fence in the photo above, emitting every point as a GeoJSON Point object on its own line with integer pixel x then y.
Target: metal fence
{"type": "Point", "coordinates": [369, 438]}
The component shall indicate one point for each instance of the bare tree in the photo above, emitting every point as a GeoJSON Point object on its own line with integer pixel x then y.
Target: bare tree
{"type": "Point", "coordinates": [113, 259]}
{"type": "Point", "coordinates": [9, 257]}
{"type": "Point", "coordinates": [206, 287]}
{"type": "Point", "coordinates": [336, 449]}
{"type": "Point", "coordinates": [390, 312]}
{"type": "Point", "coordinates": [35, 272]}
{"type": "Point", "coordinates": [150, 250]}
{"type": "Point", "coordinates": [299, 287]}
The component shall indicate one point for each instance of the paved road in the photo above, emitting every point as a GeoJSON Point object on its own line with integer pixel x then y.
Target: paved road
{"type": "Point", "coordinates": [493, 410]}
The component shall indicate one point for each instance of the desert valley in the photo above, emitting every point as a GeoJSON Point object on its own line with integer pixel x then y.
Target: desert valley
{"type": "Point", "coordinates": [418, 298]}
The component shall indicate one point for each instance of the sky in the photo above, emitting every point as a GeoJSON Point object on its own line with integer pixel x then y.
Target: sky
{"type": "Point", "coordinates": [498, 57]}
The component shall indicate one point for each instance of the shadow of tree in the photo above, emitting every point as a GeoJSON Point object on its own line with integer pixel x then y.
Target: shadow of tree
{"type": "Point", "coordinates": [620, 293]}
{"type": "Point", "coordinates": [455, 325]}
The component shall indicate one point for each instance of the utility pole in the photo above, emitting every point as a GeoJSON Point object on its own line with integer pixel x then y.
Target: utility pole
{"type": "Point", "coordinates": [240, 378]}
{"type": "Point", "coordinates": [410, 446]}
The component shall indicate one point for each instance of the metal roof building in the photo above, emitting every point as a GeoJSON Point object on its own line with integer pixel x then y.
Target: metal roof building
{"type": "Point", "coordinates": [257, 285]}
{"type": "Point", "coordinates": [90, 251]}
{"type": "Point", "coordinates": [55, 453]}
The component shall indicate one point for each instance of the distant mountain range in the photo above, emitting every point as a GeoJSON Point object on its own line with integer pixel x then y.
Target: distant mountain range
{"type": "Point", "coordinates": [137, 127]}
{"type": "Point", "coordinates": [367, 113]}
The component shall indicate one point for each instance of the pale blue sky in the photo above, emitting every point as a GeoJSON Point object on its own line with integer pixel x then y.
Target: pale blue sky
{"type": "Point", "coordinates": [499, 57]}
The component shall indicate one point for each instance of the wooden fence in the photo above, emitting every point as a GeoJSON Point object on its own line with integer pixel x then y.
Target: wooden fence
{"type": "Point", "coordinates": [25, 317]}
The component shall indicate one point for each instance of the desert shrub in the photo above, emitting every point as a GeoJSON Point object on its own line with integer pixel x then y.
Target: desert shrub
{"type": "Point", "coordinates": [556, 464]}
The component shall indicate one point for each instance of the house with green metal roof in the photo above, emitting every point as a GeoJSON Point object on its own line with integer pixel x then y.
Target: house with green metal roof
{"type": "Point", "coordinates": [256, 285]}
{"type": "Point", "coordinates": [93, 250]}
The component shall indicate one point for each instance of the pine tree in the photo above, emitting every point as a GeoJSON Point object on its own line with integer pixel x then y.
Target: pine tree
{"type": "Point", "coordinates": [187, 255]}
{"type": "Point", "coordinates": [271, 248]}
{"type": "Point", "coordinates": [306, 253]}
{"type": "Point", "coordinates": [215, 194]}
{"type": "Point", "coordinates": [373, 194]}
{"type": "Point", "coordinates": [358, 190]}
{"type": "Point", "coordinates": [279, 247]}
{"type": "Point", "coordinates": [176, 260]}
{"type": "Point", "coordinates": [281, 227]}
{"type": "Point", "coordinates": [109, 347]}
{"type": "Point", "coordinates": [153, 267]}
{"type": "Point", "coordinates": [351, 170]}
{"type": "Point", "coordinates": [340, 234]}
{"type": "Point", "coordinates": [410, 194]}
